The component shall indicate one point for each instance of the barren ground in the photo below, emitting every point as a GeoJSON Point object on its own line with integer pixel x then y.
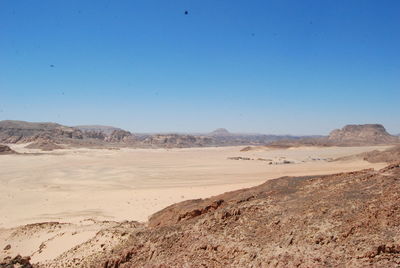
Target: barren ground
{"type": "Point", "coordinates": [131, 184]}
{"type": "Point", "coordinates": [90, 190]}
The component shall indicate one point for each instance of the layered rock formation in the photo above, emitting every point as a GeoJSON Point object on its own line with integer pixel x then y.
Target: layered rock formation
{"type": "Point", "coordinates": [120, 135]}
{"type": "Point", "coordinates": [177, 140]}
{"type": "Point", "coordinates": [50, 133]}
{"type": "Point", "coordinates": [23, 132]}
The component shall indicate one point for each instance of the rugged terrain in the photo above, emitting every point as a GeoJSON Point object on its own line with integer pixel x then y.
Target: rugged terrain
{"type": "Point", "coordinates": [107, 136]}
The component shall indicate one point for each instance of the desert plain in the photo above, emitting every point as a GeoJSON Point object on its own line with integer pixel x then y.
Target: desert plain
{"type": "Point", "coordinates": [73, 185]}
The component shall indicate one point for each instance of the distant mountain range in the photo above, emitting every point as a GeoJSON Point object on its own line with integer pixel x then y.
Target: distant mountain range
{"type": "Point", "coordinates": [48, 135]}
{"type": "Point", "coordinates": [44, 134]}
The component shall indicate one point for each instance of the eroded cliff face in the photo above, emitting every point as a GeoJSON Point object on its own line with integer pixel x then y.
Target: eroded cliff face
{"type": "Point", "coordinates": [24, 132]}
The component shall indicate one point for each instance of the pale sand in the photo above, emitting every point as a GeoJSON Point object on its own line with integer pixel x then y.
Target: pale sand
{"type": "Point", "coordinates": [131, 184]}
{"type": "Point", "coordinates": [78, 185]}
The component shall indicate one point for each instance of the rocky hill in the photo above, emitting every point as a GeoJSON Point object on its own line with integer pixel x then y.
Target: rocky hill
{"type": "Point", "coordinates": [362, 134]}
{"type": "Point", "coordinates": [341, 220]}
{"type": "Point", "coordinates": [48, 135]}
{"type": "Point", "coordinates": [23, 132]}
{"type": "Point", "coordinates": [220, 132]}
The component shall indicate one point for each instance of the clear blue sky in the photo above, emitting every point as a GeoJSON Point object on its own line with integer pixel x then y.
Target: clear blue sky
{"type": "Point", "coordinates": [299, 67]}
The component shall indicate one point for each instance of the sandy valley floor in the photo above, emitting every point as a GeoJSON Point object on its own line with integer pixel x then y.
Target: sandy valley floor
{"type": "Point", "coordinates": [131, 184]}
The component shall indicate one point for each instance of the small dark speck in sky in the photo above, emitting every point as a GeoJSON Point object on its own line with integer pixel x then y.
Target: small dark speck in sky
{"type": "Point", "coordinates": [52, 65]}
{"type": "Point", "coordinates": [186, 12]}
{"type": "Point", "coordinates": [253, 34]}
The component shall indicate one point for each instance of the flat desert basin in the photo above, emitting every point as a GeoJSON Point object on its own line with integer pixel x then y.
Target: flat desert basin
{"type": "Point", "coordinates": [72, 185]}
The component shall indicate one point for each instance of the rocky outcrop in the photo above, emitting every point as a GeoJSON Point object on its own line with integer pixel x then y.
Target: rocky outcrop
{"type": "Point", "coordinates": [362, 134]}
{"type": "Point", "coordinates": [23, 132]}
{"type": "Point", "coordinates": [16, 262]}
{"type": "Point", "coordinates": [41, 133]}
{"type": "Point", "coordinates": [120, 136]}
{"type": "Point", "coordinates": [4, 149]}
{"type": "Point", "coordinates": [177, 140]}
{"type": "Point", "coordinates": [92, 134]}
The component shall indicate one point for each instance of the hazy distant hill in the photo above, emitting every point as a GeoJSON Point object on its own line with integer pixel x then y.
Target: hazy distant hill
{"type": "Point", "coordinates": [222, 136]}
{"type": "Point", "coordinates": [107, 130]}
{"type": "Point", "coordinates": [220, 132]}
